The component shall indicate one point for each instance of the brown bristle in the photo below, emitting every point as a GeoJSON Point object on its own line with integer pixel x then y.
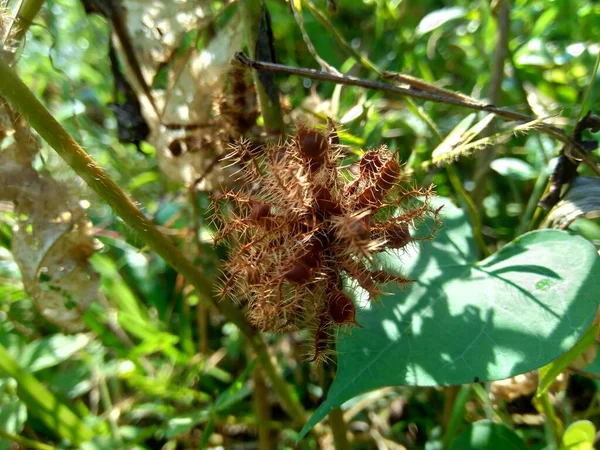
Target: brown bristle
{"type": "Point", "coordinates": [332, 134]}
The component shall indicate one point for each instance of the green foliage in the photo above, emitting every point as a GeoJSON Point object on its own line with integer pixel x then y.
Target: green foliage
{"type": "Point", "coordinates": [156, 367]}
{"type": "Point", "coordinates": [465, 321]}
{"type": "Point", "coordinates": [485, 435]}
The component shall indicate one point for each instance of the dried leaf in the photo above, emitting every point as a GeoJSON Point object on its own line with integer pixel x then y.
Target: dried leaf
{"type": "Point", "coordinates": [52, 239]}
{"type": "Point", "coordinates": [581, 200]}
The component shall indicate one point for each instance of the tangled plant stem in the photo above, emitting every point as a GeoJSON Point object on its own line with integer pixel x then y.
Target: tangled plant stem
{"type": "Point", "coordinates": [306, 227]}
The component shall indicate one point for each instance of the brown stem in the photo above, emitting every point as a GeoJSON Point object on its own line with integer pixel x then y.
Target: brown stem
{"type": "Point", "coordinates": [467, 102]}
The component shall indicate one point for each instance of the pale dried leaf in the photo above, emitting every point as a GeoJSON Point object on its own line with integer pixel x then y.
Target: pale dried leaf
{"type": "Point", "coordinates": [190, 102]}
{"type": "Point", "coordinates": [581, 200]}
{"type": "Point", "coordinates": [52, 239]}
{"type": "Point", "coordinates": [156, 28]}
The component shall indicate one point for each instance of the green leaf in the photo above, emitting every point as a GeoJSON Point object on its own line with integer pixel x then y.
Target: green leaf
{"type": "Point", "coordinates": [549, 372]}
{"type": "Point", "coordinates": [438, 18]}
{"type": "Point", "coordinates": [464, 321]}
{"type": "Point", "coordinates": [486, 435]}
{"type": "Point", "coordinates": [513, 168]}
{"type": "Point", "coordinates": [51, 351]}
{"type": "Point", "coordinates": [42, 404]}
{"type": "Point", "coordinates": [236, 392]}
{"type": "Point", "coordinates": [13, 415]}
{"type": "Point", "coordinates": [579, 436]}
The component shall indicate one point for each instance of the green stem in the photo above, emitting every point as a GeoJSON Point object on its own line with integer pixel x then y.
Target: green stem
{"type": "Point", "coordinates": [26, 12]}
{"type": "Point", "coordinates": [253, 14]}
{"type": "Point", "coordinates": [495, 90]}
{"type": "Point", "coordinates": [551, 419]}
{"type": "Point", "coordinates": [24, 442]}
{"type": "Point", "coordinates": [23, 101]}
{"type": "Point", "coordinates": [260, 397]}
{"type": "Point", "coordinates": [459, 397]}
{"type": "Point", "coordinates": [338, 429]}
{"type": "Point", "coordinates": [472, 210]}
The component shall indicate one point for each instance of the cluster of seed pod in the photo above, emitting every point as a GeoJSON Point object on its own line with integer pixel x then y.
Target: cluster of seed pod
{"type": "Point", "coordinates": [305, 226]}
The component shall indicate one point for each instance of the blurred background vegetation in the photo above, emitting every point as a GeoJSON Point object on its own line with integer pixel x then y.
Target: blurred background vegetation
{"type": "Point", "coordinates": [153, 367]}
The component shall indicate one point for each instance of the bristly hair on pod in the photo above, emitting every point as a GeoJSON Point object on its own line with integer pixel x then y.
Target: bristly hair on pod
{"type": "Point", "coordinates": [300, 228]}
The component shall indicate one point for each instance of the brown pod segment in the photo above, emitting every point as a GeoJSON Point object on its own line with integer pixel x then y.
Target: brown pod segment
{"type": "Point", "coordinates": [371, 197]}
{"type": "Point", "coordinates": [341, 308]}
{"type": "Point", "coordinates": [370, 163]}
{"type": "Point", "coordinates": [312, 144]}
{"type": "Point", "coordinates": [260, 211]}
{"type": "Point", "coordinates": [298, 273]}
{"type": "Point", "coordinates": [325, 204]}
{"type": "Point", "coordinates": [389, 175]}
{"type": "Point", "coordinates": [398, 235]}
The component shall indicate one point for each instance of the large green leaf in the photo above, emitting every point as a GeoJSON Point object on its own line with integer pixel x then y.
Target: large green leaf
{"type": "Point", "coordinates": [464, 321]}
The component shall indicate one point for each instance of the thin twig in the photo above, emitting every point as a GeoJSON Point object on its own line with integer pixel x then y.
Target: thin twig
{"type": "Point", "coordinates": [311, 48]}
{"type": "Point", "coordinates": [469, 102]}
{"type": "Point", "coordinates": [349, 80]}
{"type": "Point", "coordinates": [585, 373]}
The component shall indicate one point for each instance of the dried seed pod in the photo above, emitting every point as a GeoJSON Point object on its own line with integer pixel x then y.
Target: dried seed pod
{"type": "Point", "coordinates": [371, 198]}
{"type": "Point", "coordinates": [312, 144]}
{"type": "Point", "coordinates": [341, 307]}
{"type": "Point", "coordinates": [326, 205]}
{"type": "Point", "coordinates": [398, 235]}
{"type": "Point", "coordinates": [260, 211]}
{"type": "Point", "coordinates": [299, 273]}
{"type": "Point", "coordinates": [353, 229]}
{"type": "Point", "coordinates": [306, 229]}
{"type": "Point", "coordinates": [370, 163]}
{"type": "Point", "coordinates": [390, 173]}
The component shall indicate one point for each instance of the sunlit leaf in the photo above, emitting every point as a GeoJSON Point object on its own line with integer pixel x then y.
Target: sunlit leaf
{"type": "Point", "coordinates": [51, 351]}
{"type": "Point", "coordinates": [465, 321]}
{"type": "Point", "coordinates": [579, 436]}
{"type": "Point", "coordinates": [438, 18]}
{"type": "Point", "coordinates": [513, 168]}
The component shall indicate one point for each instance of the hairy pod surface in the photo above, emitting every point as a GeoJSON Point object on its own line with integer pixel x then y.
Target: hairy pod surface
{"type": "Point", "coordinates": [310, 227]}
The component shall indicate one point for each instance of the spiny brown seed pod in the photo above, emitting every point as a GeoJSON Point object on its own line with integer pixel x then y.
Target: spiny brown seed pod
{"type": "Point", "coordinates": [397, 235]}
{"type": "Point", "coordinates": [312, 144]}
{"type": "Point", "coordinates": [305, 229]}
{"type": "Point", "coordinates": [341, 308]}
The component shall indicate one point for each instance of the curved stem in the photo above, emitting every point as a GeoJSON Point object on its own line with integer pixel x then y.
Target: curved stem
{"type": "Point", "coordinates": [25, 102]}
